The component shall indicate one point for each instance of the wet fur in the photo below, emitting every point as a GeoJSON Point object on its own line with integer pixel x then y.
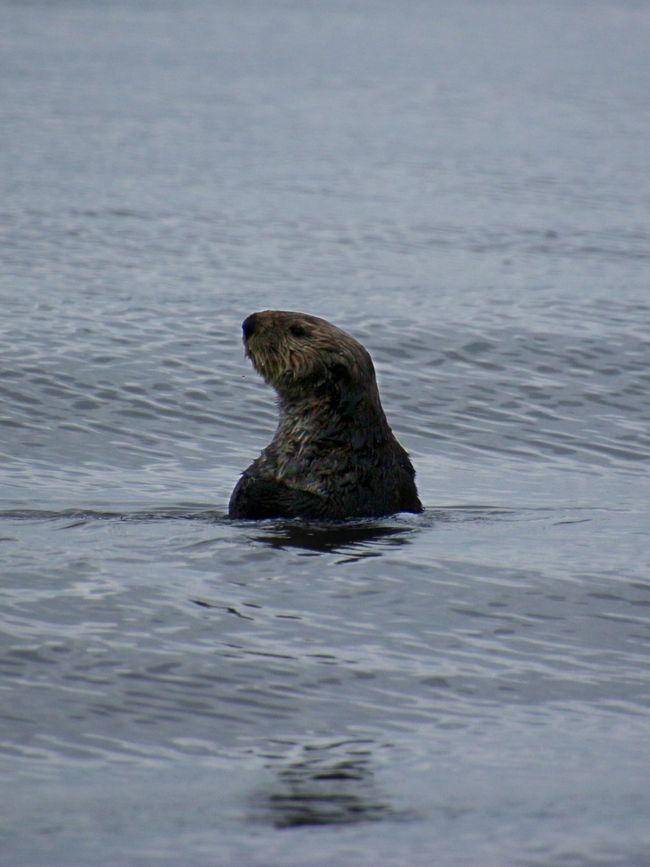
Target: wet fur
{"type": "Point", "coordinates": [333, 455]}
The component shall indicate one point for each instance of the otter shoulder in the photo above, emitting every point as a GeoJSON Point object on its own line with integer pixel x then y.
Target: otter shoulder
{"type": "Point", "coordinates": [255, 498]}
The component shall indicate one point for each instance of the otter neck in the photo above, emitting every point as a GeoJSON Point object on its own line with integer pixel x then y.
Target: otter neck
{"type": "Point", "coordinates": [318, 422]}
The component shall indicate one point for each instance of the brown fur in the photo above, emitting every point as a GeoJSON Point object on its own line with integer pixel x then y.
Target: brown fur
{"type": "Point", "coordinates": [333, 454]}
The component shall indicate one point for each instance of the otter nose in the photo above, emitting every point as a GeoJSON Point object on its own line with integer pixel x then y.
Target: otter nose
{"type": "Point", "coordinates": [248, 326]}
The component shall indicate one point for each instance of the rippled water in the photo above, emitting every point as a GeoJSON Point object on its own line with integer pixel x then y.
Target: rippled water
{"type": "Point", "coordinates": [465, 188]}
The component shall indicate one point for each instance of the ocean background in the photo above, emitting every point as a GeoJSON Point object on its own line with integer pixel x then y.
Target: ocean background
{"type": "Point", "coordinates": [464, 186]}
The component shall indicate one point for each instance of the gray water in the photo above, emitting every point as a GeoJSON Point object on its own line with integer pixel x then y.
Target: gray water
{"type": "Point", "coordinates": [463, 186]}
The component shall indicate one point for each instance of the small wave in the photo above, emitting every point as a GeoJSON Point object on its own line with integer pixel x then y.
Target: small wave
{"type": "Point", "coordinates": [85, 516]}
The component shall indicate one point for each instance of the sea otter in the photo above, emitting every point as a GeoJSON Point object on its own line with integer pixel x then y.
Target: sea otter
{"type": "Point", "coordinates": [333, 455]}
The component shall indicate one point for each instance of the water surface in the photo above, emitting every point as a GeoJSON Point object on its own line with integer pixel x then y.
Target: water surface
{"type": "Point", "coordinates": [463, 187]}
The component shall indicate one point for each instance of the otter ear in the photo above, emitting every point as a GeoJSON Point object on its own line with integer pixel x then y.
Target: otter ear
{"type": "Point", "coordinates": [346, 393]}
{"type": "Point", "coordinates": [339, 371]}
{"type": "Point", "coordinates": [340, 374]}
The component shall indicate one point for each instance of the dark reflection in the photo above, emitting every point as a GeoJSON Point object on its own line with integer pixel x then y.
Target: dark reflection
{"type": "Point", "coordinates": [327, 785]}
{"type": "Point", "coordinates": [355, 539]}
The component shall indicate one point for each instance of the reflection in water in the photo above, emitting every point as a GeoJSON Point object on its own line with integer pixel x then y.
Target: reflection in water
{"type": "Point", "coordinates": [356, 538]}
{"type": "Point", "coordinates": [329, 784]}
{"type": "Point", "coordinates": [344, 538]}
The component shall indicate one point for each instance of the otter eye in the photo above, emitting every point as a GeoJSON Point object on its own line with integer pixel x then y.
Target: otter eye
{"type": "Point", "coordinates": [298, 331]}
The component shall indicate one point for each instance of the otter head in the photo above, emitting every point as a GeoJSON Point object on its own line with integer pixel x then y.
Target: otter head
{"type": "Point", "coordinates": [305, 357]}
